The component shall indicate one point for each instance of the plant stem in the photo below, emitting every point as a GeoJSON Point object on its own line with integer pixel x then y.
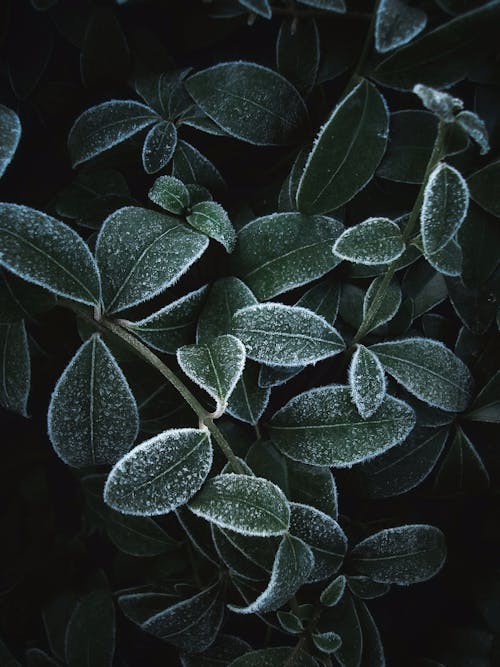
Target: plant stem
{"type": "Point", "coordinates": [436, 155]}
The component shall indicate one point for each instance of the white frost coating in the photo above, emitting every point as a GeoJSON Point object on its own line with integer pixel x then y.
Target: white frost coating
{"type": "Point", "coordinates": [366, 381]}
{"type": "Point", "coordinates": [173, 325]}
{"type": "Point", "coordinates": [446, 200]}
{"type": "Point", "coordinates": [332, 594]}
{"type": "Point", "coordinates": [282, 335]}
{"type": "Point", "coordinates": [248, 400]}
{"type": "Point", "coordinates": [390, 303]}
{"type": "Point", "coordinates": [159, 146]}
{"type": "Point", "coordinates": [475, 128]}
{"type": "Point", "coordinates": [105, 126]}
{"type": "Point", "coordinates": [170, 193]}
{"type": "Point", "coordinates": [292, 567]}
{"type": "Point", "coordinates": [442, 104]}
{"type": "Point", "coordinates": [281, 251]}
{"type": "Point", "coordinates": [248, 505]}
{"type": "Point", "coordinates": [327, 642]}
{"type": "Point", "coordinates": [160, 474]}
{"type": "Point", "coordinates": [323, 427]}
{"type": "Point", "coordinates": [211, 219]}
{"type": "Point", "coordinates": [397, 24]}
{"type": "Point", "coordinates": [15, 369]}
{"type": "Point", "coordinates": [10, 134]}
{"type": "Point", "coordinates": [250, 102]}
{"type": "Point", "coordinates": [141, 252]}
{"type": "Point", "coordinates": [404, 555]}
{"type": "Point", "coordinates": [216, 366]}
{"type": "Point", "coordinates": [374, 241]}
{"type": "Point", "coordinates": [428, 370]}
{"type": "Point", "coordinates": [226, 296]}
{"type": "Point", "coordinates": [92, 416]}
{"type": "Point", "coordinates": [328, 5]}
{"type": "Point", "coordinates": [260, 7]}
{"type": "Point", "coordinates": [44, 251]}
{"type": "Point", "coordinates": [448, 260]}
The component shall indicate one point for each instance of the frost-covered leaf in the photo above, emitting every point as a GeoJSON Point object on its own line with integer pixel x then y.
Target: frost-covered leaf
{"type": "Point", "coordinates": [446, 199]}
{"type": "Point", "coordinates": [141, 252]}
{"type": "Point", "coordinates": [191, 624]}
{"type": "Point", "coordinates": [328, 5]}
{"type": "Point", "coordinates": [462, 470]}
{"type": "Point", "coordinates": [260, 7]}
{"type": "Point", "coordinates": [224, 650]}
{"type": "Point", "coordinates": [226, 296]}
{"type": "Point", "coordinates": [292, 567]}
{"type": "Point", "coordinates": [366, 588]}
{"type": "Point", "coordinates": [343, 619]}
{"type": "Point", "coordinates": [366, 381]}
{"type": "Point", "coordinates": [285, 335]}
{"type": "Point", "coordinates": [298, 53]}
{"type": "Point", "coordinates": [323, 534]}
{"type": "Point", "coordinates": [312, 485]}
{"type": "Point", "coordinates": [323, 427]}
{"type": "Point", "coordinates": [258, 552]}
{"type": "Point", "coordinates": [447, 260]}
{"type": "Point", "coordinates": [211, 219]}
{"type": "Point", "coordinates": [397, 23]}
{"type": "Point", "coordinates": [92, 417]}
{"type": "Point", "coordinates": [389, 305]}
{"type": "Point", "coordinates": [428, 370]}
{"type": "Point", "coordinates": [277, 656]}
{"type": "Point", "coordinates": [247, 505]}
{"type": "Point", "coordinates": [327, 642]}
{"type": "Point", "coordinates": [346, 152]}
{"type": "Point", "coordinates": [483, 185]}
{"type": "Point", "coordinates": [250, 102]}
{"type": "Point", "coordinates": [170, 193]}
{"type": "Point", "coordinates": [190, 166]}
{"type": "Point", "coordinates": [440, 103]}
{"type": "Point", "coordinates": [332, 594]}
{"type": "Point", "coordinates": [90, 636]}
{"type": "Point", "coordinates": [159, 146]}
{"type": "Point", "coordinates": [475, 128]}
{"type": "Point", "coordinates": [15, 373]}
{"type": "Point", "coordinates": [404, 555]}
{"type": "Point", "coordinates": [172, 326]}
{"type": "Point", "coordinates": [404, 467]}
{"type": "Point", "coordinates": [46, 252]}
{"type": "Point", "coordinates": [486, 405]}
{"type": "Point", "coordinates": [374, 241]}
{"type": "Point", "coordinates": [165, 92]}
{"type": "Point", "coordinates": [248, 400]}
{"type": "Point", "coordinates": [10, 134]}
{"type": "Point", "coordinates": [161, 473]}
{"type": "Point", "coordinates": [278, 252]}
{"type": "Point", "coordinates": [106, 125]}
{"type": "Point", "coordinates": [215, 366]}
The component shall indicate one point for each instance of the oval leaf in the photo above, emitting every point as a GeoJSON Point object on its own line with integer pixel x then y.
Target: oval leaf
{"type": "Point", "coordinates": [15, 372]}
{"type": "Point", "coordinates": [10, 133]}
{"type": "Point", "coordinates": [366, 381]}
{"type": "Point", "coordinates": [389, 305]}
{"type": "Point", "coordinates": [170, 193]}
{"type": "Point", "coordinates": [322, 427]}
{"type": "Point", "coordinates": [211, 219]}
{"type": "Point", "coordinates": [374, 241]}
{"type": "Point", "coordinates": [92, 417]}
{"type": "Point", "coordinates": [140, 253]}
{"type": "Point", "coordinates": [46, 252]}
{"type": "Point", "coordinates": [397, 24]}
{"type": "Point", "coordinates": [285, 335]}
{"type": "Point", "coordinates": [462, 470]}
{"type": "Point", "coordinates": [159, 146]}
{"type": "Point", "coordinates": [249, 102]}
{"type": "Point", "coordinates": [161, 473]}
{"type": "Point", "coordinates": [346, 152]}
{"type": "Point", "coordinates": [245, 504]}
{"type": "Point", "coordinates": [428, 370]}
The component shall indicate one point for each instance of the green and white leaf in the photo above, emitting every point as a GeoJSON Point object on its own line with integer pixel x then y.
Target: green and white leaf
{"type": "Point", "coordinates": [170, 193]}
{"type": "Point", "coordinates": [226, 296]}
{"type": "Point", "coordinates": [15, 370]}
{"type": "Point", "coordinates": [389, 306]}
{"type": "Point", "coordinates": [211, 219]}
{"type": "Point", "coordinates": [292, 567]}
{"type": "Point", "coordinates": [190, 166]}
{"type": "Point", "coordinates": [448, 260]}
{"type": "Point", "coordinates": [90, 635]}
{"type": "Point", "coordinates": [215, 366]}
{"type": "Point", "coordinates": [333, 593]}
{"type": "Point", "coordinates": [475, 128]}
{"type": "Point", "coordinates": [92, 418]}
{"type": "Point", "coordinates": [404, 555]}
{"type": "Point", "coordinates": [397, 24]}
{"type": "Point", "coordinates": [327, 642]}
{"type": "Point", "coordinates": [366, 381]}
{"type": "Point", "coordinates": [346, 151]}
{"type": "Point", "coordinates": [285, 335]}
{"type": "Point", "coordinates": [343, 619]}
{"type": "Point", "coordinates": [374, 241]}
{"type": "Point", "coordinates": [106, 125]}
{"type": "Point", "coordinates": [159, 146]}
{"type": "Point", "coordinates": [323, 427]}
{"type": "Point", "coordinates": [365, 588]}
{"type": "Point", "coordinates": [250, 102]}
{"type": "Point", "coordinates": [446, 200]}
{"type": "Point", "coordinates": [141, 252]}
{"type": "Point", "coordinates": [46, 252]}
{"type": "Point", "coordinates": [245, 504]}
{"type": "Point", "coordinates": [160, 474]}
{"type": "Point", "coordinates": [428, 370]}
{"type": "Point", "coordinates": [10, 134]}
{"type": "Point", "coordinates": [172, 326]}
{"type": "Point", "coordinates": [440, 103]}
{"type": "Point", "coordinates": [281, 251]}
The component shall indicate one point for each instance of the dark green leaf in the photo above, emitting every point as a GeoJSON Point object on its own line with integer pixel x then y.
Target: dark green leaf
{"type": "Point", "coordinates": [21, 300]}
{"type": "Point", "coordinates": [170, 193]}
{"type": "Point", "coordinates": [224, 650]}
{"type": "Point", "coordinates": [327, 642]}
{"type": "Point", "coordinates": [374, 241]}
{"type": "Point", "coordinates": [366, 381]}
{"type": "Point", "coordinates": [332, 594]}
{"type": "Point", "coordinates": [15, 373]}
{"type": "Point", "coordinates": [486, 405]}
{"type": "Point", "coordinates": [366, 588]}
{"type": "Point", "coordinates": [343, 620]}
{"type": "Point", "coordinates": [90, 637]}
{"type": "Point", "coordinates": [298, 53]}
{"type": "Point", "coordinates": [226, 296]}
{"type": "Point", "coordinates": [397, 24]}
{"type": "Point", "coordinates": [277, 656]}
{"type": "Point", "coordinates": [190, 166]}
{"type": "Point", "coordinates": [248, 400]}
{"type": "Point", "coordinates": [10, 134]}
{"type": "Point", "coordinates": [483, 185]}
{"type": "Point", "coordinates": [462, 470]}
{"type": "Point", "coordinates": [211, 219]}
{"type": "Point", "coordinates": [159, 146]}
{"type": "Point", "coordinates": [389, 305]}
